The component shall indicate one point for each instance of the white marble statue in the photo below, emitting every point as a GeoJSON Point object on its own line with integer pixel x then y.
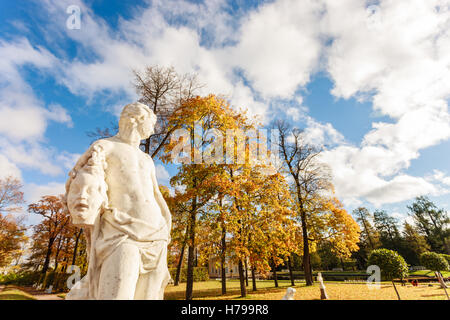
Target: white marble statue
{"type": "Point", "coordinates": [113, 194]}
{"type": "Point", "coordinates": [323, 292]}
{"type": "Point", "coordinates": [289, 295]}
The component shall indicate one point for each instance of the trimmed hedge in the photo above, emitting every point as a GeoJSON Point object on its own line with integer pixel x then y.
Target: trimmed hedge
{"type": "Point", "coordinates": [434, 261]}
{"type": "Point", "coordinates": [446, 257]}
{"type": "Point", "coordinates": [24, 278]}
{"type": "Point", "coordinates": [200, 274]}
{"type": "Point", "coordinates": [392, 265]}
{"type": "Point", "coordinates": [29, 278]}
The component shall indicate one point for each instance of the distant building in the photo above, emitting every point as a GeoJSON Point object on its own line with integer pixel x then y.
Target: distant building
{"type": "Point", "coordinates": [215, 270]}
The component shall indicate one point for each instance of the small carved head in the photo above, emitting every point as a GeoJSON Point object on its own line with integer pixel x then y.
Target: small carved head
{"type": "Point", "coordinates": [289, 294]}
{"type": "Point", "coordinates": [139, 116]}
{"type": "Point", "coordinates": [87, 191]}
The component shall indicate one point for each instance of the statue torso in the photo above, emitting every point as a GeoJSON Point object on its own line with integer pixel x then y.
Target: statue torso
{"type": "Point", "coordinates": [129, 180]}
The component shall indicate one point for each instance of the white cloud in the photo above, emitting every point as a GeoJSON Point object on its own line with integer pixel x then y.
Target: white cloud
{"type": "Point", "coordinates": [367, 174]}
{"type": "Point", "coordinates": [279, 46]}
{"type": "Point", "coordinates": [23, 117]}
{"type": "Point", "coordinates": [322, 134]}
{"type": "Point", "coordinates": [400, 188]}
{"type": "Point", "coordinates": [162, 175]}
{"type": "Point", "coordinates": [441, 177]}
{"type": "Point", "coordinates": [276, 47]}
{"type": "Point", "coordinates": [401, 63]}
{"type": "Point", "coordinates": [397, 57]}
{"type": "Point", "coordinates": [34, 192]}
{"type": "Point", "coordinates": [58, 114]}
{"type": "Point", "coordinates": [31, 155]}
{"type": "Point", "coordinates": [67, 159]}
{"type": "Point", "coordinates": [21, 113]}
{"type": "Point", "coordinates": [7, 168]}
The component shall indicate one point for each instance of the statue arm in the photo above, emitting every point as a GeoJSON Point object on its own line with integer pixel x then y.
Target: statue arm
{"type": "Point", "coordinates": [161, 201]}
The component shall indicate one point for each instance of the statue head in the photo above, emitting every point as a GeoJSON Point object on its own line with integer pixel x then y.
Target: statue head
{"type": "Point", "coordinates": [137, 117]}
{"type": "Point", "coordinates": [86, 190]}
{"type": "Point", "coordinates": [290, 292]}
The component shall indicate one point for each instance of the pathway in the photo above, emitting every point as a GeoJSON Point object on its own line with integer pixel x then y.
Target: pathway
{"type": "Point", "coordinates": [41, 295]}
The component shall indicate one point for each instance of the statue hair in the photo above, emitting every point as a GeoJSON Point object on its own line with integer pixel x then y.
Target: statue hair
{"type": "Point", "coordinates": [95, 165]}
{"type": "Point", "coordinates": [133, 110]}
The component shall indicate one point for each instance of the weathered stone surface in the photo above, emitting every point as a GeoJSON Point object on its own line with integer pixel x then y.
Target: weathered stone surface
{"type": "Point", "coordinates": [112, 192]}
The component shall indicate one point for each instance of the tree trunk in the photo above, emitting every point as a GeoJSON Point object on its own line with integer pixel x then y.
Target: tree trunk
{"type": "Point", "coordinates": [75, 248]}
{"type": "Point", "coordinates": [275, 276]}
{"type": "Point", "coordinates": [223, 261]}
{"type": "Point", "coordinates": [306, 255]}
{"type": "Point", "coordinates": [191, 252]}
{"type": "Point", "coordinates": [147, 146]}
{"type": "Point", "coordinates": [254, 278]}
{"type": "Point", "coordinates": [196, 257]}
{"type": "Point", "coordinates": [291, 274]}
{"type": "Point", "coordinates": [246, 272]}
{"type": "Point", "coordinates": [180, 263]}
{"type": "Point", "coordinates": [47, 256]}
{"type": "Point", "coordinates": [241, 279]}
{"type": "Point", "coordinates": [398, 296]}
{"type": "Point", "coordinates": [190, 273]}
{"type": "Point", "coordinates": [367, 232]}
{"type": "Point", "coordinates": [58, 250]}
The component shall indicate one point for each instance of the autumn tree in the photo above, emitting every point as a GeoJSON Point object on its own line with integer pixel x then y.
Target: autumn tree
{"type": "Point", "coordinates": [55, 220]}
{"type": "Point", "coordinates": [260, 225]}
{"type": "Point", "coordinates": [309, 178]}
{"type": "Point", "coordinates": [12, 237]}
{"type": "Point", "coordinates": [179, 232]}
{"type": "Point", "coordinates": [337, 227]}
{"type": "Point", "coordinates": [11, 195]}
{"type": "Point", "coordinates": [196, 118]}
{"type": "Point", "coordinates": [12, 231]}
{"type": "Point", "coordinates": [163, 90]}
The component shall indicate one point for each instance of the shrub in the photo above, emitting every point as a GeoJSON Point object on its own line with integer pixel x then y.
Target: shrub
{"type": "Point", "coordinates": [446, 257]}
{"type": "Point", "coordinates": [200, 274]}
{"type": "Point", "coordinates": [392, 265]}
{"type": "Point", "coordinates": [434, 261]}
{"type": "Point", "coordinates": [25, 278]}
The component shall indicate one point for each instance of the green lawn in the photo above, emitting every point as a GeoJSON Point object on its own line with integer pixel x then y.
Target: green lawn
{"type": "Point", "coordinates": [15, 294]}
{"type": "Point", "coordinates": [211, 290]}
{"type": "Point", "coordinates": [428, 273]}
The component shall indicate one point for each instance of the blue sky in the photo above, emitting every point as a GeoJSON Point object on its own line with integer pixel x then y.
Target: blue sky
{"type": "Point", "coordinates": [368, 80]}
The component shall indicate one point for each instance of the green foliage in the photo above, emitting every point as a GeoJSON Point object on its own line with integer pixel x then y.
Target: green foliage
{"type": "Point", "coordinates": [434, 261]}
{"type": "Point", "coordinates": [26, 278]}
{"type": "Point", "coordinates": [316, 261]}
{"type": "Point", "coordinates": [15, 295]}
{"type": "Point", "coordinates": [446, 257]}
{"type": "Point", "coordinates": [431, 222]}
{"type": "Point", "coordinates": [392, 265]}
{"type": "Point", "coordinates": [200, 274]}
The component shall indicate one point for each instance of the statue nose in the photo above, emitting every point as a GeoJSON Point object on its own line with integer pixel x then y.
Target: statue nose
{"type": "Point", "coordinates": [83, 193]}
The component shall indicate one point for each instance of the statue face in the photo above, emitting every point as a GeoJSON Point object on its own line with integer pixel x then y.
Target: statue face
{"type": "Point", "coordinates": [146, 125]}
{"type": "Point", "coordinates": [85, 198]}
